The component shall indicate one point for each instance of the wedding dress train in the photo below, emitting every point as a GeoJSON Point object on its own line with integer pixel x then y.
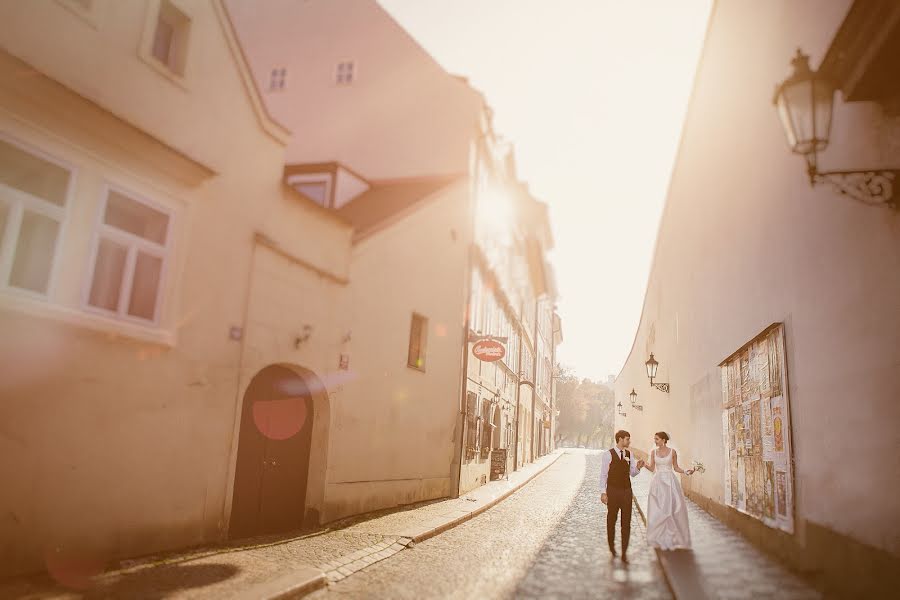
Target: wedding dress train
{"type": "Point", "coordinates": [667, 518]}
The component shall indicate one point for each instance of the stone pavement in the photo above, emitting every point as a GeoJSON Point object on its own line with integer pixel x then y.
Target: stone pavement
{"type": "Point", "coordinates": [268, 567]}
{"type": "Point", "coordinates": [575, 561]}
{"type": "Point", "coordinates": [722, 564]}
{"type": "Point", "coordinates": [545, 541]}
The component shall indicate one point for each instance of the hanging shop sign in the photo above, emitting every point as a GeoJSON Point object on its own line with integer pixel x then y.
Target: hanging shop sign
{"type": "Point", "coordinates": [489, 350]}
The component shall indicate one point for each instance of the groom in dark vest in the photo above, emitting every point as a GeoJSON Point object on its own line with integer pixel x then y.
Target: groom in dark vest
{"type": "Point", "coordinates": [617, 467]}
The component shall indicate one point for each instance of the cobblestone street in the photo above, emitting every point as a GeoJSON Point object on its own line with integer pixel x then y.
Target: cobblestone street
{"type": "Point", "coordinates": [545, 541]}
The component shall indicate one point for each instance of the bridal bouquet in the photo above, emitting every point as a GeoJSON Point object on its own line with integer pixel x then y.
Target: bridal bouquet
{"type": "Point", "coordinates": [697, 466]}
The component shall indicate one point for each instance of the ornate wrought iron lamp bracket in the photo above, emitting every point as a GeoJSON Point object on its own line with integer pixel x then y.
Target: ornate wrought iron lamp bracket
{"type": "Point", "coordinates": [873, 187]}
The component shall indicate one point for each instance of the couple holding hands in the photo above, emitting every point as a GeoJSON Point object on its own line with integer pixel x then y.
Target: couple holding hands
{"type": "Point", "coordinates": [667, 519]}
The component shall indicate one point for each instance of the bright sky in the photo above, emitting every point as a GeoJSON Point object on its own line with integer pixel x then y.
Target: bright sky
{"type": "Point", "coordinates": [593, 95]}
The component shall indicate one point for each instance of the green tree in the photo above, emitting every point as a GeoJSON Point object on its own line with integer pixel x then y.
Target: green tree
{"type": "Point", "coordinates": [586, 410]}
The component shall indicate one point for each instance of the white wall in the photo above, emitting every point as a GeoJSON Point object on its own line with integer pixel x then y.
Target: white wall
{"type": "Point", "coordinates": [745, 242]}
{"type": "Point", "coordinates": [404, 116]}
{"type": "Point", "coordinates": [394, 426]}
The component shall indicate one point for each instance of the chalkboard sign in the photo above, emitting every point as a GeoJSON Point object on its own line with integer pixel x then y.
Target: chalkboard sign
{"type": "Point", "coordinates": [498, 464]}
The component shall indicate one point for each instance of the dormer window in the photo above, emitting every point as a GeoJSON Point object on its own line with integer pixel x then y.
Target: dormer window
{"type": "Point", "coordinates": [170, 38]}
{"type": "Point", "coordinates": [316, 187]}
{"type": "Point", "coordinates": [345, 73]}
{"type": "Point", "coordinates": [278, 79]}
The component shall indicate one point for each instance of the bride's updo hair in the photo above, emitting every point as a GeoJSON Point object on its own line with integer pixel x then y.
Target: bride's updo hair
{"type": "Point", "coordinates": [662, 435]}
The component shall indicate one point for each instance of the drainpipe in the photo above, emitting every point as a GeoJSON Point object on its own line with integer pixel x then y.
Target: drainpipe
{"type": "Point", "coordinates": [456, 469]}
{"type": "Point", "coordinates": [553, 382]}
{"type": "Point", "coordinates": [537, 304]}
{"type": "Point", "coordinates": [518, 393]}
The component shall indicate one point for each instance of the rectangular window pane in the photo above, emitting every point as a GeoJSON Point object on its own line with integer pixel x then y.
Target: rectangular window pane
{"type": "Point", "coordinates": [36, 176]}
{"type": "Point", "coordinates": [162, 41]}
{"type": "Point", "coordinates": [108, 272]}
{"type": "Point", "coordinates": [34, 252]}
{"type": "Point", "coordinates": [134, 217]}
{"type": "Point", "coordinates": [147, 271]}
{"type": "Point", "coordinates": [314, 190]}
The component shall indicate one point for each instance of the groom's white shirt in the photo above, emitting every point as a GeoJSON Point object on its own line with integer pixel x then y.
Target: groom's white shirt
{"type": "Point", "coordinates": [606, 460]}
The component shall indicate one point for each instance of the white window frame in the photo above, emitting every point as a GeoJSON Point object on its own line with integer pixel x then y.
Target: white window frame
{"type": "Point", "coordinates": [17, 201]}
{"type": "Point", "coordinates": [145, 51]}
{"type": "Point", "coordinates": [314, 178]}
{"type": "Point", "coordinates": [133, 243]}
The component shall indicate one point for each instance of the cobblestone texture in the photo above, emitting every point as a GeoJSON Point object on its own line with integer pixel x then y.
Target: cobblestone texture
{"type": "Point", "coordinates": [725, 563]}
{"type": "Point", "coordinates": [575, 561]}
{"type": "Point", "coordinates": [547, 541]}
{"type": "Point", "coordinates": [224, 571]}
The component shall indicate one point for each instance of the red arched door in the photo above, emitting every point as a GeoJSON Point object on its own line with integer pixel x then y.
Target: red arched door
{"type": "Point", "coordinates": [273, 454]}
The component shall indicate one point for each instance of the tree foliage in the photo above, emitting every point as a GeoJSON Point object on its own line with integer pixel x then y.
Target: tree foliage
{"type": "Point", "coordinates": [586, 410]}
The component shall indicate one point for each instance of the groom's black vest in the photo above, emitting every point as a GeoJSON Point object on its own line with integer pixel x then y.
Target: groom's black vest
{"type": "Point", "coordinates": [619, 471]}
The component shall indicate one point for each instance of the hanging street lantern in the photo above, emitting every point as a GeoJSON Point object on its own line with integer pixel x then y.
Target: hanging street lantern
{"type": "Point", "coordinates": [805, 105]}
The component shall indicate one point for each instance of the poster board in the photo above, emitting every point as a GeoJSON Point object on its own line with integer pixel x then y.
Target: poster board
{"type": "Point", "coordinates": [758, 474]}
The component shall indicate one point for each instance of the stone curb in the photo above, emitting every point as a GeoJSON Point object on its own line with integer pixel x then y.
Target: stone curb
{"type": "Point", "coordinates": [491, 503]}
{"type": "Point", "coordinates": [301, 582]}
{"type": "Point", "coordinates": [296, 585]}
{"type": "Point", "coordinates": [679, 590]}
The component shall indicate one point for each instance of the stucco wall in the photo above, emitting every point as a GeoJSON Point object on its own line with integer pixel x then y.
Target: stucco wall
{"type": "Point", "coordinates": [382, 126]}
{"type": "Point", "coordinates": [394, 426]}
{"type": "Point", "coordinates": [119, 438]}
{"type": "Point", "coordinates": [744, 242]}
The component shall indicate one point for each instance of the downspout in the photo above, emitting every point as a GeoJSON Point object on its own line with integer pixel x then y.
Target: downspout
{"type": "Point", "coordinates": [553, 382]}
{"type": "Point", "coordinates": [518, 393]}
{"type": "Point", "coordinates": [534, 365]}
{"type": "Point", "coordinates": [456, 473]}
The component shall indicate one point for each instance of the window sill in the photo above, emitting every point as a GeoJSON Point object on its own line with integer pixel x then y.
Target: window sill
{"type": "Point", "coordinates": [90, 16]}
{"type": "Point", "coordinates": [419, 369]}
{"type": "Point", "coordinates": [163, 70]}
{"type": "Point", "coordinates": [111, 327]}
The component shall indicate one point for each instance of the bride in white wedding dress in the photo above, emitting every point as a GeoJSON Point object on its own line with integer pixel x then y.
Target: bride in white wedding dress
{"type": "Point", "coordinates": [667, 518]}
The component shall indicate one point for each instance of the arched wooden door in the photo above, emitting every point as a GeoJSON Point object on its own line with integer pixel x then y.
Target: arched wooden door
{"type": "Point", "coordinates": [273, 454]}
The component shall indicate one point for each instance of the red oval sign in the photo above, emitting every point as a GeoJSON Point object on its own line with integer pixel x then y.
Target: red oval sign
{"type": "Point", "coordinates": [488, 350]}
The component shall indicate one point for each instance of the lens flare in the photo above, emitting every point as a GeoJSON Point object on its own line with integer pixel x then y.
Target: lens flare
{"type": "Point", "coordinates": [74, 568]}
{"type": "Point", "coordinates": [280, 419]}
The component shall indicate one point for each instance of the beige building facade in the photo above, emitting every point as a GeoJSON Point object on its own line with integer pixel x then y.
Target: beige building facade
{"type": "Point", "coordinates": [771, 306]}
{"type": "Point", "coordinates": [403, 144]}
{"type": "Point", "coordinates": [213, 328]}
{"type": "Point", "coordinates": [149, 250]}
{"type": "Point", "coordinates": [508, 402]}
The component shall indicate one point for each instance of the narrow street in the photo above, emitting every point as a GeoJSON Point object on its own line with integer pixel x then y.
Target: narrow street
{"type": "Point", "coordinates": [545, 541]}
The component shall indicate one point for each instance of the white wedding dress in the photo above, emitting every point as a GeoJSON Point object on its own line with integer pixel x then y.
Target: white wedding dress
{"type": "Point", "coordinates": [667, 518]}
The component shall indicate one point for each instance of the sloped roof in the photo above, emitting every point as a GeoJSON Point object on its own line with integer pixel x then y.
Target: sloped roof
{"type": "Point", "coordinates": [387, 202]}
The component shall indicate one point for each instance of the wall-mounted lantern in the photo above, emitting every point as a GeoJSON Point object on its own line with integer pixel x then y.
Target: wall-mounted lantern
{"type": "Point", "coordinates": [652, 365]}
{"type": "Point", "coordinates": [621, 412]}
{"type": "Point", "coordinates": [633, 396]}
{"type": "Point", "coordinates": [805, 103]}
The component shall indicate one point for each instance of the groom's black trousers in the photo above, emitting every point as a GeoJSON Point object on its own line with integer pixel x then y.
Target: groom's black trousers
{"type": "Point", "coordinates": [618, 499]}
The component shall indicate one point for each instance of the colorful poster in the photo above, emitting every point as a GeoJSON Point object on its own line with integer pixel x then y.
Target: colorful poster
{"type": "Point", "coordinates": [756, 431]}
{"type": "Point", "coordinates": [725, 435]}
{"type": "Point", "coordinates": [769, 510]}
{"type": "Point", "coordinates": [781, 493]}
